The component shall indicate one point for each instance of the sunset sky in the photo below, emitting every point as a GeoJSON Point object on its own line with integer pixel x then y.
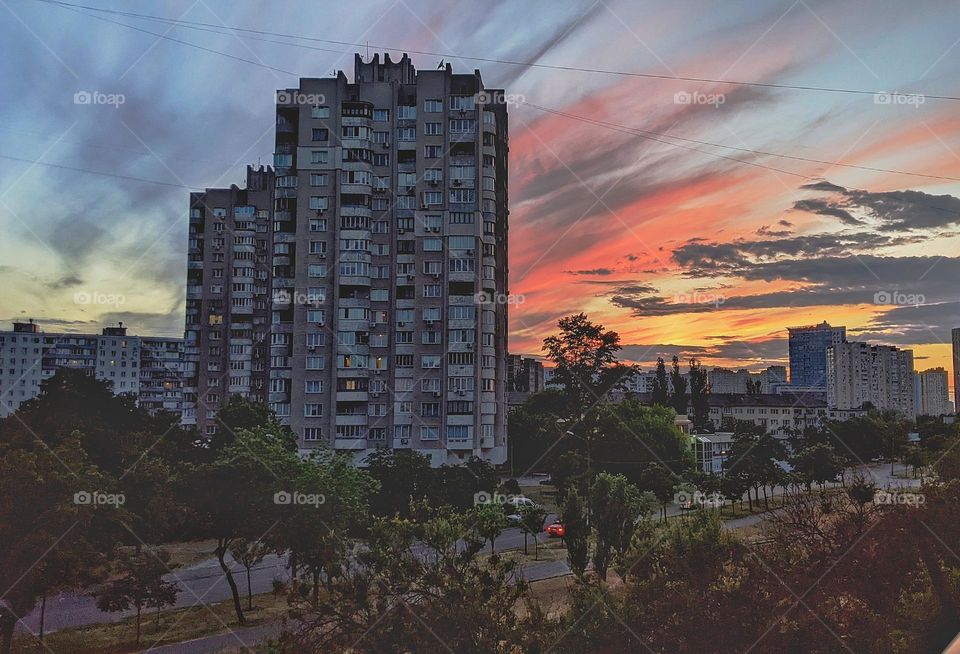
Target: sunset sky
{"type": "Point", "coordinates": [679, 245]}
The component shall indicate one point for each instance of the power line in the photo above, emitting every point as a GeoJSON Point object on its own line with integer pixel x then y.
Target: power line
{"type": "Point", "coordinates": [97, 172]}
{"type": "Point", "coordinates": [509, 62]}
{"type": "Point", "coordinates": [640, 132]}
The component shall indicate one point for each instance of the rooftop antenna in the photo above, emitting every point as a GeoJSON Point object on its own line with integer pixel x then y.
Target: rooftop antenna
{"type": "Point", "coordinates": [368, 49]}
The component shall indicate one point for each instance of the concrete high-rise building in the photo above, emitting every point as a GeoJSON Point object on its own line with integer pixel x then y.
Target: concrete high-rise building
{"type": "Point", "coordinates": [227, 337]}
{"type": "Point", "coordinates": [808, 353]}
{"type": "Point", "coordinates": [934, 392]}
{"type": "Point", "coordinates": [861, 373]}
{"type": "Point", "coordinates": [385, 253]}
{"type": "Point", "coordinates": [524, 374]}
{"type": "Point", "coordinates": [148, 368]}
{"type": "Point", "coordinates": [956, 368]}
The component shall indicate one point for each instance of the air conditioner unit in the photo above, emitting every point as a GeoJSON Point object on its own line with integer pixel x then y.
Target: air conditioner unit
{"type": "Point", "coordinates": [435, 230]}
{"type": "Point", "coordinates": [401, 324]}
{"type": "Point", "coordinates": [373, 324]}
{"type": "Point", "coordinates": [461, 393]}
{"type": "Point", "coordinates": [411, 277]}
{"type": "Point", "coordinates": [469, 253]}
{"type": "Point", "coordinates": [457, 182]}
{"type": "Point", "coordinates": [404, 441]}
{"type": "Point", "coordinates": [401, 231]}
{"type": "Point", "coordinates": [434, 182]}
{"type": "Point", "coordinates": [424, 205]}
{"type": "Point", "coordinates": [385, 146]}
{"type": "Point", "coordinates": [469, 346]}
{"type": "Point", "coordinates": [374, 394]}
{"type": "Point", "coordinates": [322, 255]}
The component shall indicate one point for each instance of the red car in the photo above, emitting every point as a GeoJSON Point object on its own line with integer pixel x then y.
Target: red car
{"type": "Point", "coordinates": [554, 530]}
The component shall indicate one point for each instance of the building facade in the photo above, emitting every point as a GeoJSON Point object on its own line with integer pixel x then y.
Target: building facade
{"type": "Point", "coordinates": [861, 374]}
{"type": "Point", "coordinates": [956, 369]}
{"type": "Point", "coordinates": [808, 353]}
{"type": "Point", "coordinates": [525, 376]}
{"type": "Point", "coordinates": [933, 392]}
{"type": "Point", "coordinates": [149, 368]}
{"type": "Point", "coordinates": [372, 310]}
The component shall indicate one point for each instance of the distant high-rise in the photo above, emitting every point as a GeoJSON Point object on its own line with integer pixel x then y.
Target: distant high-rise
{"type": "Point", "coordinates": [808, 353]}
{"type": "Point", "coordinates": [861, 374]}
{"type": "Point", "coordinates": [933, 392]}
{"type": "Point", "coordinates": [370, 310]}
{"type": "Point", "coordinates": [956, 369]}
{"type": "Point", "coordinates": [149, 368]}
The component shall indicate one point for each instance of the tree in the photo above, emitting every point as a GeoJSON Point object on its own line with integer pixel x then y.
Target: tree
{"type": "Point", "coordinates": [660, 394]}
{"type": "Point", "coordinates": [699, 396]}
{"type": "Point", "coordinates": [532, 518]}
{"type": "Point", "coordinates": [249, 553]}
{"type": "Point", "coordinates": [818, 464]}
{"type": "Point", "coordinates": [50, 503]}
{"type": "Point", "coordinates": [576, 531]}
{"type": "Point", "coordinates": [488, 521]}
{"type": "Point", "coordinates": [615, 506]}
{"type": "Point", "coordinates": [140, 585]}
{"type": "Point", "coordinates": [404, 476]}
{"type": "Point", "coordinates": [754, 387]}
{"type": "Point", "coordinates": [242, 413]}
{"type": "Point", "coordinates": [679, 398]}
{"type": "Point", "coordinates": [585, 358]}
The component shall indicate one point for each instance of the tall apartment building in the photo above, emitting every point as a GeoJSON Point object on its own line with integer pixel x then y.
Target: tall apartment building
{"type": "Point", "coordinates": [956, 369]}
{"type": "Point", "coordinates": [227, 338]}
{"type": "Point", "coordinates": [148, 368]}
{"type": "Point", "coordinates": [724, 380]}
{"type": "Point", "coordinates": [858, 373]}
{"type": "Point", "coordinates": [934, 393]}
{"type": "Point", "coordinates": [368, 306]}
{"type": "Point", "coordinates": [808, 353]}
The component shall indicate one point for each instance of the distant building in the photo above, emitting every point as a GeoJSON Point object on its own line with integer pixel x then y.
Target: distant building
{"type": "Point", "coordinates": [724, 380]}
{"type": "Point", "coordinates": [642, 382]}
{"type": "Point", "coordinates": [525, 376]}
{"type": "Point", "coordinates": [933, 392]}
{"type": "Point", "coordinates": [149, 368]}
{"type": "Point", "coordinates": [956, 369]}
{"type": "Point", "coordinates": [861, 374]}
{"type": "Point", "coordinates": [712, 450]}
{"type": "Point", "coordinates": [779, 413]}
{"type": "Point", "coordinates": [808, 353]}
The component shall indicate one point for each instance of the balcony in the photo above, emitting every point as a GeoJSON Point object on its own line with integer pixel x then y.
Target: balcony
{"type": "Point", "coordinates": [350, 444]}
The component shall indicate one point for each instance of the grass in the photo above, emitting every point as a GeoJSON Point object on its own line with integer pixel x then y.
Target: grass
{"type": "Point", "coordinates": [176, 626]}
{"type": "Point", "coordinates": [190, 553]}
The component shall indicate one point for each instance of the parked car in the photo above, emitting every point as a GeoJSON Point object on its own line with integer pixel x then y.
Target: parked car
{"type": "Point", "coordinates": [555, 530]}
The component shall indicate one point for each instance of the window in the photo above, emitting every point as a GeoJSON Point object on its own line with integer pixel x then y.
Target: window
{"type": "Point", "coordinates": [432, 106]}
{"type": "Point", "coordinates": [314, 340]}
{"type": "Point", "coordinates": [403, 360]}
{"type": "Point", "coordinates": [463, 195]}
{"type": "Point", "coordinates": [318, 224]}
{"type": "Point", "coordinates": [429, 337]}
{"type": "Point", "coordinates": [428, 433]}
{"type": "Point", "coordinates": [462, 243]}
{"type": "Point", "coordinates": [432, 151]}
{"type": "Point", "coordinates": [318, 179]}
{"type": "Point", "coordinates": [316, 316]}
{"type": "Point", "coordinates": [315, 362]}
{"type": "Point", "coordinates": [433, 129]}
{"type": "Point", "coordinates": [461, 218]}
{"type": "Point", "coordinates": [459, 432]}
{"type": "Point", "coordinates": [316, 247]}
{"type": "Point", "coordinates": [406, 112]}
{"type": "Point", "coordinates": [461, 265]}
{"type": "Point", "coordinates": [312, 433]}
{"type": "Point", "coordinates": [317, 270]}
{"type": "Point", "coordinates": [432, 290]}
{"type": "Point", "coordinates": [320, 134]}
{"type": "Point", "coordinates": [462, 125]}
{"type": "Point", "coordinates": [462, 102]}
{"type": "Point", "coordinates": [320, 203]}
{"type": "Point", "coordinates": [382, 158]}
{"type": "Point", "coordinates": [319, 156]}
{"type": "Point", "coordinates": [430, 361]}
{"type": "Point", "coordinates": [320, 112]}
{"type": "Point", "coordinates": [379, 295]}
{"type": "Point", "coordinates": [406, 134]}
{"type": "Point", "coordinates": [433, 197]}
{"type": "Point", "coordinates": [381, 137]}
{"type": "Point", "coordinates": [462, 312]}
{"type": "Point", "coordinates": [433, 175]}
{"type": "Point", "coordinates": [381, 115]}
{"type": "Point", "coordinates": [312, 410]}
{"type": "Point", "coordinates": [432, 313]}
{"type": "Point", "coordinates": [432, 244]}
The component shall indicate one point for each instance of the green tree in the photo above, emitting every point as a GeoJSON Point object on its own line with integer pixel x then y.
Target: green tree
{"type": "Point", "coordinates": [242, 413]}
{"type": "Point", "coordinates": [139, 585]}
{"type": "Point", "coordinates": [660, 394]}
{"type": "Point", "coordinates": [699, 397]}
{"type": "Point", "coordinates": [248, 553]}
{"type": "Point", "coordinates": [488, 521]}
{"type": "Point", "coordinates": [532, 518]}
{"type": "Point", "coordinates": [818, 464]}
{"type": "Point", "coordinates": [615, 506]}
{"type": "Point", "coordinates": [576, 532]}
{"type": "Point", "coordinates": [679, 398]}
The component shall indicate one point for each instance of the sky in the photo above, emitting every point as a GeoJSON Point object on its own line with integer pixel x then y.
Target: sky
{"type": "Point", "coordinates": [680, 245]}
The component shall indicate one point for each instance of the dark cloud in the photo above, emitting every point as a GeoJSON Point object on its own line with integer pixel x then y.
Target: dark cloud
{"type": "Point", "coordinates": [594, 271]}
{"type": "Point", "coordinates": [823, 208]}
